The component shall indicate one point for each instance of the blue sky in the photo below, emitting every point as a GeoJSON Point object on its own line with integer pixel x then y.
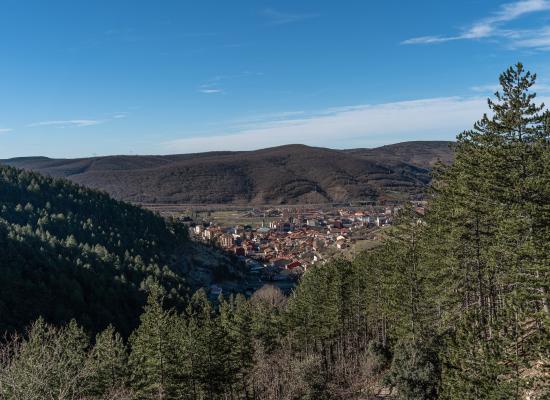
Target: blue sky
{"type": "Point", "coordinates": [83, 78]}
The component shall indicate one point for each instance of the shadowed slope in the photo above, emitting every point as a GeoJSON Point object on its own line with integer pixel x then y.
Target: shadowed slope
{"type": "Point", "coordinates": [288, 174]}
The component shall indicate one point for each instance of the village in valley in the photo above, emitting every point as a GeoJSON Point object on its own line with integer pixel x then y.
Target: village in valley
{"type": "Point", "coordinates": [279, 244]}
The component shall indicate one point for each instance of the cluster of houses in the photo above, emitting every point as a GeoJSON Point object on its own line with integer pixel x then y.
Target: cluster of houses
{"type": "Point", "coordinates": [289, 241]}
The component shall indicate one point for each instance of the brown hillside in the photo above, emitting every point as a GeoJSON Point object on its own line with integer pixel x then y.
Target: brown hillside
{"type": "Point", "coordinates": [288, 174]}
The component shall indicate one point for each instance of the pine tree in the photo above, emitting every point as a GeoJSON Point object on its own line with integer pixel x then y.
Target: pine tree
{"type": "Point", "coordinates": [108, 362]}
{"type": "Point", "coordinates": [154, 354]}
{"type": "Point", "coordinates": [372, 275]}
{"type": "Point", "coordinates": [236, 320]}
{"type": "Point", "coordinates": [415, 370]}
{"type": "Point", "coordinates": [267, 307]}
{"type": "Point", "coordinates": [210, 346]}
{"type": "Point", "coordinates": [406, 277]}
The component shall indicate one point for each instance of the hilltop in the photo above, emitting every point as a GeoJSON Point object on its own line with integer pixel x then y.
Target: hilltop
{"type": "Point", "coordinates": [291, 174]}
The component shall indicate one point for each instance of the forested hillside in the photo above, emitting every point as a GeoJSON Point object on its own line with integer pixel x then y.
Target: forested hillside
{"type": "Point", "coordinates": [453, 305]}
{"type": "Point", "coordinates": [67, 251]}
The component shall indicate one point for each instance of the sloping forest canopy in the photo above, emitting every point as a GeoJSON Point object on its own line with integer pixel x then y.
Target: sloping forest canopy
{"type": "Point", "coordinates": [70, 252]}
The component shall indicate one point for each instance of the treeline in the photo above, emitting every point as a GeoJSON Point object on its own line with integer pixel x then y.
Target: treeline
{"type": "Point", "coordinates": [261, 348]}
{"type": "Point", "coordinates": [453, 304]}
{"type": "Point", "coordinates": [67, 251]}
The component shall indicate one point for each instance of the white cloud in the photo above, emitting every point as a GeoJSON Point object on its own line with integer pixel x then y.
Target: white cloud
{"type": "Point", "coordinates": [345, 127]}
{"type": "Point", "coordinates": [536, 39]}
{"type": "Point", "coordinates": [254, 120]}
{"type": "Point", "coordinates": [120, 115]}
{"type": "Point", "coordinates": [430, 39]}
{"type": "Point", "coordinates": [492, 27]}
{"type": "Point", "coordinates": [5, 130]}
{"type": "Point", "coordinates": [214, 84]}
{"type": "Point", "coordinates": [73, 123]}
{"type": "Point", "coordinates": [210, 90]}
{"type": "Point", "coordinates": [485, 88]}
{"type": "Point", "coordinates": [515, 10]}
{"type": "Point", "coordinates": [280, 18]}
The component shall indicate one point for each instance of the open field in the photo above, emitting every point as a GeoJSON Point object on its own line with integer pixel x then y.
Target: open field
{"type": "Point", "coordinates": [232, 218]}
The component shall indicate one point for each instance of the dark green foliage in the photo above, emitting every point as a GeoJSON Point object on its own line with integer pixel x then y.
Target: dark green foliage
{"type": "Point", "coordinates": [154, 357]}
{"type": "Point", "coordinates": [317, 315]}
{"type": "Point", "coordinates": [329, 321]}
{"type": "Point", "coordinates": [489, 228]}
{"type": "Point", "coordinates": [210, 348]}
{"type": "Point", "coordinates": [406, 276]}
{"type": "Point", "coordinates": [70, 252]}
{"type": "Point", "coordinates": [267, 306]}
{"type": "Point", "coordinates": [415, 371]}
{"type": "Point", "coordinates": [379, 357]}
{"type": "Point", "coordinates": [108, 361]}
{"type": "Point", "coordinates": [236, 321]}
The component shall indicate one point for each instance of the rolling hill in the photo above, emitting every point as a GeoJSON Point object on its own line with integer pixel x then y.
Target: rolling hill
{"type": "Point", "coordinates": [291, 174]}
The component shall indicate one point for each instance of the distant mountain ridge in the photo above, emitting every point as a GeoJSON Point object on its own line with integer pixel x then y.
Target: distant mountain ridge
{"type": "Point", "coordinates": [290, 174]}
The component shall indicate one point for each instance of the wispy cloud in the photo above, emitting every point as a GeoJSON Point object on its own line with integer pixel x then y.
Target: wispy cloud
{"type": "Point", "coordinates": [5, 130]}
{"type": "Point", "coordinates": [494, 26]}
{"type": "Point", "coordinates": [73, 123]}
{"type": "Point", "coordinates": [120, 115]}
{"type": "Point", "coordinates": [485, 88]}
{"type": "Point", "coordinates": [214, 85]}
{"type": "Point", "coordinates": [281, 18]}
{"type": "Point", "coordinates": [344, 127]}
{"type": "Point", "coordinates": [80, 123]}
{"type": "Point", "coordinates": [254, 120]}
{"type": "Point", "coordinates": [210, 91]}
{"type": "Point", "coordinates": [536, 39]}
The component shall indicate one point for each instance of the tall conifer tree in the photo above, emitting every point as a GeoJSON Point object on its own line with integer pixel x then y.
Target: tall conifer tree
{"type": "Point", "coordinates": [153, 360]}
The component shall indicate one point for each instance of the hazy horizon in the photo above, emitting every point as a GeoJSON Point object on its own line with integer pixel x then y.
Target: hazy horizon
{"type": "Point", "coordinates": [217, 151]}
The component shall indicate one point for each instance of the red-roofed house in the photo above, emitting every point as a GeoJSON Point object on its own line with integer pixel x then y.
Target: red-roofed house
{"type": "Point", "coordinates": [293, 265]}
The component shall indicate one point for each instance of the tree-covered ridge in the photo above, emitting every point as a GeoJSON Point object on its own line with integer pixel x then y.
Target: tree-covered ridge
{"type": "Point", "coordinates": [71, 252]}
